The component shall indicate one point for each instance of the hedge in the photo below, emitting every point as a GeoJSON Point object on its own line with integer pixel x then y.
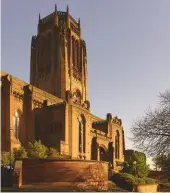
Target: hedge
{"type": "Point", "coordinates": [128, 181]}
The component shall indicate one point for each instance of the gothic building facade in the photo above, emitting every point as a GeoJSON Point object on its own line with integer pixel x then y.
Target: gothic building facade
{"type": "Point", "coordinates": [54, 107]}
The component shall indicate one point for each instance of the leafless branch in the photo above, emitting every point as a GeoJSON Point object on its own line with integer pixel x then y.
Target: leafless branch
{"type": "Point", "coordinates": [151, 133]}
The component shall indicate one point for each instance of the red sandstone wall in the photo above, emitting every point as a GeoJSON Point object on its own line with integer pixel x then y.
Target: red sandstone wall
{"type": "Point", "coordinates": [39, 171]}
{"type": "Point", "coordinates": [51, 126]}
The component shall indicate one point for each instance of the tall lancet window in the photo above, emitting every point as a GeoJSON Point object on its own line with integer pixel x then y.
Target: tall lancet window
{"type": "Point", "coordinates": [73, 51]}
{"type": "Point", "coordinates": [117, 145]}
{"type": "Point", "coordinates": [78, 51]}
{"type": "Point", "coordinates": [16, 124]}
{"type": "Point", "coordinates": [82, 132]}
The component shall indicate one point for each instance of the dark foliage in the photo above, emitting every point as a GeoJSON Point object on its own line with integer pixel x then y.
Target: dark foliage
{"type": "Point", "coordinates": [128, 181]}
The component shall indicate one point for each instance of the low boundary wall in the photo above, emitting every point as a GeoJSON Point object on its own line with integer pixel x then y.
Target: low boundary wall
{"type": "Point", "coordinates": [47, 170]}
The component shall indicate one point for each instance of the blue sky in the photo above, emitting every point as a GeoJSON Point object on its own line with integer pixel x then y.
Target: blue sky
{"type": "Point", "coordinates": [128, 47]}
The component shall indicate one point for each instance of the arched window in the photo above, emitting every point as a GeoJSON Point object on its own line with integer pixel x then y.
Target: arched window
{"type": "Point", "coordinates": [94, 149]}
{"type": "Point", "coordinates": [82, 132]}
{"type": "Point", "coordinates": [16, 119]}
{"type": "Point", "coordinates": [117, 145]}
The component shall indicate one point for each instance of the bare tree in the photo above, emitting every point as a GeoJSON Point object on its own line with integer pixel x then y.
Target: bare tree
{"type": "Point", "coordinates": [151, 133]}
{"type": "Point", "coordinates": [165, 98]}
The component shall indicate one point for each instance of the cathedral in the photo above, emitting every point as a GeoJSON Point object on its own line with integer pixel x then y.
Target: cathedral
{"type": "Point", "coordinates": [54, 107]}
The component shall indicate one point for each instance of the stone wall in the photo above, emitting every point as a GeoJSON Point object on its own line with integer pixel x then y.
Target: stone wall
{"type": "Point", "coordinates": [48, 171]}
{"type": "Point", "coordinates": [50, 125]}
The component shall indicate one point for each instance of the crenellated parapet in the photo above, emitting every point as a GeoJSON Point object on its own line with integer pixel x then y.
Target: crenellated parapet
{"type": "Point", "coordinates": [117, 121]}
{"type": "Point", "coordinates": [58, 18]}
{"type": "Point", "coordinates": [114, 120]}
{"type": "Point", "coordinates": [47, 18]}
{"type": "Point", "coordinates": [109, 125]}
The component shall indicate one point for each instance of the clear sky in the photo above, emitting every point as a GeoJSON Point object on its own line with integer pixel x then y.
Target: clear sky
{"type": "Point", "coordinates": [128, 47]}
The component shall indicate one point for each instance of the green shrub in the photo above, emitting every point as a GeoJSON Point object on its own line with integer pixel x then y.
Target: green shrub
{"type": "Point", "coordinates": [150, 181]}
{"type": "Point", "coordinates": [140, 168]}
{"type": "Point", "coordinates": [52, 153]}
{"type": "Point", "coordinates": [139, 181]}
{"type": "Point", "coordinates": [124, 180]}
{"type": "Point", "coordinates": [126, 168]}
{"type": "Point", "coordinates": [37, 150]}
{"type": "Point", "coordinates": [20, 153]}
{"type": "Point", "coordinates": [128, 181]}
{"type": "Point", "coordinates": [127, 177]}
{"type": "Point", "coordinates": [166, 185]}
{"type": "Point", "coordinates": [7, 158]}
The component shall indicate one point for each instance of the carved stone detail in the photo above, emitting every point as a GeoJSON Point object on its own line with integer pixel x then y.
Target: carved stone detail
{"type": "Point", "coordinates": [76, 73]}
{"type": "Point", "coordinates": [18, 95]}
{"type": "Point", "coordinates": [86, 105]}
{"type": "Point", "coordinates": [76, 97]}
{"type": "Point", "coordinates": [37, 104]}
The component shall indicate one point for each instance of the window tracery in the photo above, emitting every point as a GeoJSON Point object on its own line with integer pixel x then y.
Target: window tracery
{"type": "Point", "coordinates": [76, 64]}
{"type": "Point", "coordinates": [45, 56]}
{"type": "Point", "coordinates": [81, 127]}
{"type": "Point", "coordinates": [117, 145]}
{"type": "Point", "coordinates": [16, 119]}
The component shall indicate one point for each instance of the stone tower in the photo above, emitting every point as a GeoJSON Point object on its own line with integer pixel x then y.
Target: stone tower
{"type": "Point", "coordinates": [58, 56]}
